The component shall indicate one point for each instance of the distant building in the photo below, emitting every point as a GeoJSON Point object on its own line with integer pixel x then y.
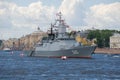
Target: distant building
{"type": "Point", "coordinates": [26, 42]}
{"type": "Point", "coordinates": [115, 41]}
{"type": "Point", "coordinates": [30, 40]}
{"type": "Point", "coordinates": [84, 33]}
{"type": "Point", "coordinates": [10, 42]}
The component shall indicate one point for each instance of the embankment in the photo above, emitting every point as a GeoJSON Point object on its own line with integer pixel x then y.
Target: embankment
{"type": "Point", "coordinates": [107, 50]}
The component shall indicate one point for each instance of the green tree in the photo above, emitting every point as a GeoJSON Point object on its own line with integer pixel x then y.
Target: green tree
{"type": "Point", "coordinates": [102, 37]}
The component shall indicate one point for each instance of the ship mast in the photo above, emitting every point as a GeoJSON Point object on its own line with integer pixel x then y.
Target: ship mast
{"type": "Point", "coordinates": [61, 24]}
{"type": "Point", "coordinates": [60, 17]}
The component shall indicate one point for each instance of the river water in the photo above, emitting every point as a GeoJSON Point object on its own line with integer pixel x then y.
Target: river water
{"type": "Point", "coordinates": [14, 66]}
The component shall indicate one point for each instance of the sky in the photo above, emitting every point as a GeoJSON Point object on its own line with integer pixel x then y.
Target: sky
{"type": "Point", "coordinates": [22, 17]}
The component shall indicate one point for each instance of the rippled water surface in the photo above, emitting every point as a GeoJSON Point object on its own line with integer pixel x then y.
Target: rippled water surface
{"type": "Point", "coordinates": [14, 66]}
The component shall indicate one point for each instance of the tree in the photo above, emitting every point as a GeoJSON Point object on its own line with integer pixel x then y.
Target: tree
{"type": "Point", "coordinates": [102, 37]}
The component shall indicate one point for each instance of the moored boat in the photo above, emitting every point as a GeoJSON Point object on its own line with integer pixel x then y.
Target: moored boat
{"type": "Point", "coordinates": [7, 49]}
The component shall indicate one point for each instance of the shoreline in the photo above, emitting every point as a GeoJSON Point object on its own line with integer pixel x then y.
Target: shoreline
{"type": "Point", "coordinates": [107, 51]}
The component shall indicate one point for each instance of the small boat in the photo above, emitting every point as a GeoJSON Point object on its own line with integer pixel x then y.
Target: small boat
{"type": "Point", "coordinates": [7, 49]}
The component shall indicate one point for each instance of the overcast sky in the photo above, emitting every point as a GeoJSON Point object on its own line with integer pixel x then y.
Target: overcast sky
{"type": "Point", "coordinates": [21, 17]}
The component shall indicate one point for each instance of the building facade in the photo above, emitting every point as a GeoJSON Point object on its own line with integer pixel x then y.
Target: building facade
{"type": "Point", "coordinates": [115, 41]}
{"type": "Point", "coordinates": [26, 42]}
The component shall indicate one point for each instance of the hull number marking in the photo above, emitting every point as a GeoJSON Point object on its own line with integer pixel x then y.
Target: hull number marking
{"type": "Point", "coordinates": [75, 52]}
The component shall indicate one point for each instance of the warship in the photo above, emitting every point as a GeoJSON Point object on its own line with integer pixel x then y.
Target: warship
{"type": "Point", "coordinates": [59, 43]}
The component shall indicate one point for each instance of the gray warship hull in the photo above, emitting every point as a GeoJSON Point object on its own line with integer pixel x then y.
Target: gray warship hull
{"type": "Point", "coordinates": [77, 52]}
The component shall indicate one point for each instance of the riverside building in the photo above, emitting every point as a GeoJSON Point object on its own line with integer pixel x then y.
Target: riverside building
{"type": "Point", "coordinates": [115, 41]}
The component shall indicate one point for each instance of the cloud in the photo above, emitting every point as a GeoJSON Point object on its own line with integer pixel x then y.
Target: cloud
{"type": "Point", "coordinates": [20, 20]}
{"type": "Point", "coordinates": [28, 16]}
{"type": "Point", "coordinates": [73, 11]}
{"type": "Point", "coordinates": [5, 18]}
{"type": "Point", "coordinates": [104, 16]}
{"type": "Point", "coordinates": [33, 15]}
{"type": "Point", "coordinates": [13, 16]}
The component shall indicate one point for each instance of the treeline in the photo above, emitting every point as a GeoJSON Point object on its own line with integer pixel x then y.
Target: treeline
{"type": "Point", "coordinates": [102, 37]}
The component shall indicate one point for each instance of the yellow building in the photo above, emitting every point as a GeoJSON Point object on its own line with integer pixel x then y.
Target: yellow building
{"type": "Point", "coordinates": [10, 42]}
{"type": "Point", "coordinates": [26, 42]}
